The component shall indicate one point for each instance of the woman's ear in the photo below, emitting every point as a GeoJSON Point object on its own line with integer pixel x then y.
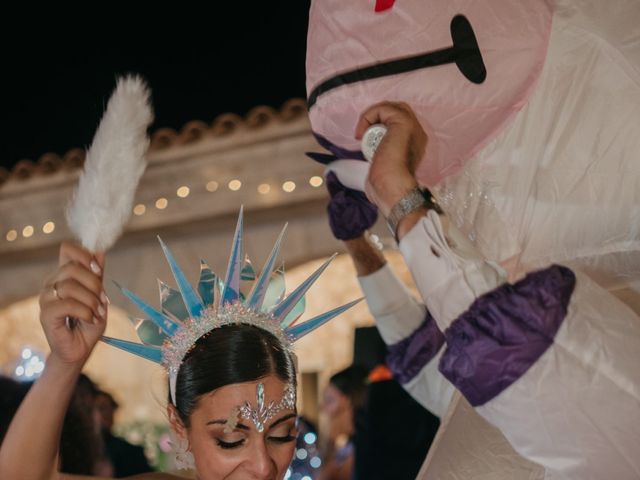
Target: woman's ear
{"type": "Point", "coordinates": [184, 458]}
{"type": "Point", "coordinates": [176, 423]}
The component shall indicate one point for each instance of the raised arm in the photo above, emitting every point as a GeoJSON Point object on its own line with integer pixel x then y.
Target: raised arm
{"type": "Point", "coordinates": [73, 312]}
{"type": "Point", "coordinates": [413, 340]}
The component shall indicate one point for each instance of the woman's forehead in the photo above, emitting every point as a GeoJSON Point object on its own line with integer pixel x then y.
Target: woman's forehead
{"type": "Point", "coordinates": [226, 398]}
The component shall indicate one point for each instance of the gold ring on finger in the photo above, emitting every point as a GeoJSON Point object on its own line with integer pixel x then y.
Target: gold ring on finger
{"type": "Point", "coordinates": [55, 291]}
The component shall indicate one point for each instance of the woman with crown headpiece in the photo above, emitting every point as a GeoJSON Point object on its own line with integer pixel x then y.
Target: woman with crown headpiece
{"type": "Point", "coordinates": [228, 353]}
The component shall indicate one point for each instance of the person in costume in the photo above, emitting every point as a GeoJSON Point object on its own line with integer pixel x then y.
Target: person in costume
{"type": "Point", "coordinates": [532, 112]}
{"type": "Point", "coordinates": [502, 341]}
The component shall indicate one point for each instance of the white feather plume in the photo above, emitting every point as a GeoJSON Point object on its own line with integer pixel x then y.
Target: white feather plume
{"type": "Point", "coordinates": [101, 204]}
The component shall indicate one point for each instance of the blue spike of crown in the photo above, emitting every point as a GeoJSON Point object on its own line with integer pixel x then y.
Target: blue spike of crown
{"type": "Point", "coordinates": [207, 284]}
{"type": "Point", "coordinates": [191, 299]}
{"type": "Point", "coordinates": [231, 290]}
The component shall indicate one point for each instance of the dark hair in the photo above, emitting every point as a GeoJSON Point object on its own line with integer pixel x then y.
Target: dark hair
{"type": "Point", "coordinates": [369, 349]}
{"type": "Point", "coordinates": [86, 386]}
{"type": "Point", "coordinates": [112, 401]}
{"type": "Point", "coordinates": [78, 449]}
{"type": "Point", "coordinates": [352, 382]}
{"type": "Point", "coordinates": [80, 443]}
{"type": "Point", "coordinates": [227, 355]}
{"type": "Point", "coordinates": [12, 393]}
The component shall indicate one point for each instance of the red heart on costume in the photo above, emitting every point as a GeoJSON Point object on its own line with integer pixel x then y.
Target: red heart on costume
{"type": "Point", "coordinates": [382, 5]}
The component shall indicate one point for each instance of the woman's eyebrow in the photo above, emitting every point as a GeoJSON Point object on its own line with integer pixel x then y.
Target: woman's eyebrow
{"type": "Point", "coordinates": [283, 419]}
{"type": "Point", "coordinates": [224, 422]}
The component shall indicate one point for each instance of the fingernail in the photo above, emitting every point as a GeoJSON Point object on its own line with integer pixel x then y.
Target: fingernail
{"type": "Point", "coordinates": [101, 311]}
{"type": "Point", "coordinates": [70, 322]}
{"type": "Point", "coordinates": [95, 268]}
{"type": "Point", "coordinates": [95, 321]}
{"type": "Point", "coordinates": [104, 298]}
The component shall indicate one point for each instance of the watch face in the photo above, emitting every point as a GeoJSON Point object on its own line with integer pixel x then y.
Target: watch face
{"type": "Point", "coordinates": [407, 204]}
{"type": "Point", "coordinates": [411, 201]}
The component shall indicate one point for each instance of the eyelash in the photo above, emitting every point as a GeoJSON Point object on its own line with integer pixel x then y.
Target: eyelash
{"type": "Point", "coordinates": [287, 439]}
{"type": "Point", "coordinates": [230, 445]}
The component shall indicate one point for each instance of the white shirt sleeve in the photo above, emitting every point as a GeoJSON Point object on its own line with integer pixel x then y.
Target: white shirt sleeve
{"type": "Point", "coordinates": [449, 273]}
{"type": "Point", "coordinates": [396, 312]}
{"type": "Point", "coordinates": [431, 389]}
{"type": "Point", "coordinates": [398, 315]}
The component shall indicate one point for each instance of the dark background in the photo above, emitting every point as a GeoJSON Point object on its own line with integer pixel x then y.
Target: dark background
{"type": "Point", "coordinates": [59, 70]}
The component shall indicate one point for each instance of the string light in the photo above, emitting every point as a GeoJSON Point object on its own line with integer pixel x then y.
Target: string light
{"type": "Point", "coordinates": [30, 366]}
{"type": "Point", "coordinates": [316, 181]}
{"type": "Point", "coordinates": [235, 185]}
{"type": "Point", "coordinates": [288, 186]}
{"type": "Point", "coordinates": [182, 192]}
{"type": "Point", "coordinates": [48, 228]}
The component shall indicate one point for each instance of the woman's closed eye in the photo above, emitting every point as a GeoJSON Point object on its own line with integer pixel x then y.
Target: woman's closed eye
{"type": "Point", "coordinates": [285, 439]}
{"type": "Point", "coordinates": [283, 433]}
{"type": "Point", "coordinates": [228, 445]}
{"type": "Point", "coordinates": [228, 440]}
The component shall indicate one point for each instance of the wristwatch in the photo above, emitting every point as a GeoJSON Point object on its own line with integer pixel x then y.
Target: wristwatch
{"type": "Point", "coordinates": [413, 200]}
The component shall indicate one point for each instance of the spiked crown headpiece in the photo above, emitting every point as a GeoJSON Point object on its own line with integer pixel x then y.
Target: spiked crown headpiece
{"type": "Point", "coordinates": [187, 314]}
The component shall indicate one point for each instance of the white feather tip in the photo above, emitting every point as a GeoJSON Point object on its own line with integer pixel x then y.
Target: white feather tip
{"type": "Point", "coordinates": [102, 201]}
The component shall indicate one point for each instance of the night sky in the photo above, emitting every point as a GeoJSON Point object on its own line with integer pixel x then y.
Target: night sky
{"type": "Point", "coordinates": [57, 76]}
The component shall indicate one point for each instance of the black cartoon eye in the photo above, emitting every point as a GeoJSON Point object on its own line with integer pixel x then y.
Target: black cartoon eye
{"type": "Point", "coordinates": [464, 52]}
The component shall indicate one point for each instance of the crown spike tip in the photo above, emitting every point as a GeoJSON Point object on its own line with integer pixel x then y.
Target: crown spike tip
{"type": "Point", "coordinates": [255, 299]}
{"type": "Point", "coordinates": [283, 308]}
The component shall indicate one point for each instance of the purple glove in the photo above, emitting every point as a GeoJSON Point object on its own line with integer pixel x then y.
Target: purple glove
{"type": "Point", "coordinates": [350, 212]}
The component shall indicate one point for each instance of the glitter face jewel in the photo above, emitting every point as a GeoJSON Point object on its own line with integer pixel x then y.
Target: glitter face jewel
{"type": "Point", "coordinates": [265, 412]}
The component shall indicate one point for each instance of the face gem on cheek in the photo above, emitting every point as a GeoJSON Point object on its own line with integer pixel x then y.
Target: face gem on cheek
{"type": "Point", "coordinates": [232, 420]}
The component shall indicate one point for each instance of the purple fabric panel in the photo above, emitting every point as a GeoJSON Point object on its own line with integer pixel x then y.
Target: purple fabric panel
{"type": "Point", "coordinates": [339, 152]}
{"type": "Point", "coordinates": [504, 332]}
{"type": "Point", "coordinates": [409, 356]}
{"type": "Point", "coordinates": [350, 212]}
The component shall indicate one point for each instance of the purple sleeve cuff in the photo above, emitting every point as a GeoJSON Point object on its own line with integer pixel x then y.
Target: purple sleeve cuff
{"type": "Point", "coordinates": [504, 332]}
{"type": "Point", "coordinates": [408, 357]}
{"type": "Point", "coordinates": [350, 212]}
